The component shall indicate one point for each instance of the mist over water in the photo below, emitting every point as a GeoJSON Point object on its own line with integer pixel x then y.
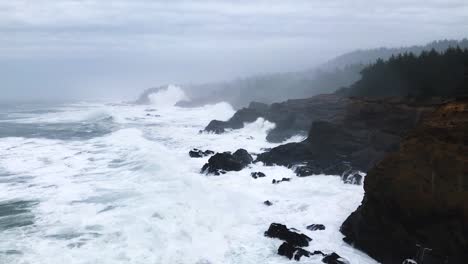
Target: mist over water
{"type": "Point", "coordinates": [113, 183]}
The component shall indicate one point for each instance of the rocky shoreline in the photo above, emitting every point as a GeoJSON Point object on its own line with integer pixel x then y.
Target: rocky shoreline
{"type": "Point", "coordinates": [411, 149]}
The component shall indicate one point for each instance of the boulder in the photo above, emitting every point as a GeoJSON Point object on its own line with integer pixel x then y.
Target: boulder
{"type": "Point", "coordinates": [334, 258]}
{"type": "Point", "coordinates": [243, 156]}
{"type": "Point", "coordinates": [284, 233]}
{"type": "Point", "coordinates": [315, 227]}
{"type": "Point", "coordinates": [256, 175]}
{"type": "Point", "coordinates": [223, 162]}
{"type": "Point", "coordinates": [267, 203]}
{"type": "Point", "coordinates": [418, 194]}
{"type": "Point", "coordinates": [197, 153]}
{"type": "Point", "coordinates": [290, 251]}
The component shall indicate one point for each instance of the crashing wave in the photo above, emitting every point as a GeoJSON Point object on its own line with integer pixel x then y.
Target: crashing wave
{"type": "Point", "coordinates": [168, 95]}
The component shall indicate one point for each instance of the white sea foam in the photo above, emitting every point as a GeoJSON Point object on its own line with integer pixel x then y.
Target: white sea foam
{"type": "Point", "coordinates": [168, 97]}
{"type": "Point", "coordinates": [135, 196]}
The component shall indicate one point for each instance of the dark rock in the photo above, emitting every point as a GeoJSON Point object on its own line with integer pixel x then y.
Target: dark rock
{"type": "Point", "coordinates": [334, 258]}
{"type": "Point", "coordinates": [220, 163]}
{"type": "Point", "coordinates": [282, 232]}
{"type": "Point", "coordinates": [245, 115]}
{"type": "Point", "coordinates": [197, 153]}
{"type": "Point", "coordinates": [418, 194]}
{"type": "Point", "coordinates": [256, 175]}
{"type": "Point", "coordinates": [355, 140]}
{"type": "Point", "coordinates": [303, 171]}
{"type": "Point", "coordinates": [243, 156]}
{"type": "Point", "coordinates": [292, 117]}
{"type": "Point", "coordinates": [290, 251]}
{"type": "Point", "coordinates": [216, 127]}
{"type": "Point", "coordinates": [267, 203]}
{"type": "Point", "coordinates": [316, 227]}
{"type": "Point", "coordinates": [287, 250]}
{"type": "Point", "coordinates": [279, 181]}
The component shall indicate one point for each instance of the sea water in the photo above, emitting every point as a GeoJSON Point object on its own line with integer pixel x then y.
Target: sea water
{"type": "Point", "coordinates": [113, 183]}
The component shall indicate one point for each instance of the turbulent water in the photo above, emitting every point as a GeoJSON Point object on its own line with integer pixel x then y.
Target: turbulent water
{"type": "Point", "coordinates": [113, 183]}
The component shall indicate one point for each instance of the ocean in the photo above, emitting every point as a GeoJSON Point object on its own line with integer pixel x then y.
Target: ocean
{"type": "Point", "coordinates": [101, 183]}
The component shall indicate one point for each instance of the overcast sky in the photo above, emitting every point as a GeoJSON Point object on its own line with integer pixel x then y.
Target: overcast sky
{"type": "Point", "coordinates": [115, 48]}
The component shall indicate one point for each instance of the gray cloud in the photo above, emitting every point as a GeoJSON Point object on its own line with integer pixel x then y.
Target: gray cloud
{"type": "Point", "coordinates": [84, 46]}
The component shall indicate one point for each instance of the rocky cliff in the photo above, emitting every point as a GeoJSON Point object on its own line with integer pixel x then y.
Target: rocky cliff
{"type": "Point", "coordinates": [291, 117]}
{"type": "Point", "coordinates": [359, 136]}
{"type": "Point", "coordinates": [418, 194]}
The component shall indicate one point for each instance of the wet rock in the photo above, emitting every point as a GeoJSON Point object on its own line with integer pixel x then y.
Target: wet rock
{"type": "Point", "coordinates": [216, 126]}
{"type": "Point", "coordinates": [290, 251]}
{"type": "Point", "coordinates": [256, 175]}
{"type": "Point", "coordinates": [243, 156]}
{"type": "Point", "coordinates": [315, 227]}
{"type": "Point", "coordinates": [418, 194]}
{"type": "Point", "coordinates": [354, 140]}
{"type": "Point", "coordinates": [279, 181]}
{"type": "Point", "coordinates": [220, 163]}
{"type": "Point", "coordinates": [197, 153]}
{"type": "Point", "coordinates": [245, 115]}
{"type": "Point", "coordinates": [353, 178]}
{"type": "Point", "coordinates": [334, 258]}
{"type": "Point", "coordinates": [304, 171]}
{"type": "Point", "coordinates": [267, 203]}
{"type": "Point", "coordinates": [292, 117]}
{"type": "Point", "coordinates": [282, 232]}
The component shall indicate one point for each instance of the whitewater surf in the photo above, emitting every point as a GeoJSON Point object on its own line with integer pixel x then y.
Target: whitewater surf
{"type": "Point", "coordinates": [113, 183]}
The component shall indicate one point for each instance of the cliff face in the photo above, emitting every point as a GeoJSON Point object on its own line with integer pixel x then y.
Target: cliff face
{"type": "Point", "coordinates": [419, 194]}
{"type": "Point", "coordinates": [357, 138]}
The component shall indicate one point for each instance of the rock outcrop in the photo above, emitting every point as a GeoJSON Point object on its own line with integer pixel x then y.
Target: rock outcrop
{"type": "Point", "coordinates": [292, 117]}
{"type": "Point", "coordinates": [367, 130]}
{"type": "Point", "coordinates": [220, 163]}
{"type": "Point", "coordinates": [418, 194]}
{"type": "Point", "coordinates": [289, 235]}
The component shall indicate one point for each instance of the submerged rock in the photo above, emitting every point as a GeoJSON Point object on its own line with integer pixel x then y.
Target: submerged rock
{"type": "Point", "coordinates": [284, 233]}
{"type": "Point", "coordinates": [315, 227]}
{"type": "Point", "coordinates": [197, 153]}
{"type": "Point", "coordinates": [220, 163]}
{"type": "Point", "coordinates": [419, 194]}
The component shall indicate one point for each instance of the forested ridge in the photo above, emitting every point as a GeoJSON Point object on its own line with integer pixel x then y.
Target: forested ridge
{"type": "Point", "coordinates": [430, 74]}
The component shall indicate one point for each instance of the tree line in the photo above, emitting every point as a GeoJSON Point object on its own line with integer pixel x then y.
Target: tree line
{"type": "Point", "coordinates": [429, 74]}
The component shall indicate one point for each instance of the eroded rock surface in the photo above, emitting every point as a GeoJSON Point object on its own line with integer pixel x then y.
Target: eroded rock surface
{"type": "Point", "coordinates": [419, 194]}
